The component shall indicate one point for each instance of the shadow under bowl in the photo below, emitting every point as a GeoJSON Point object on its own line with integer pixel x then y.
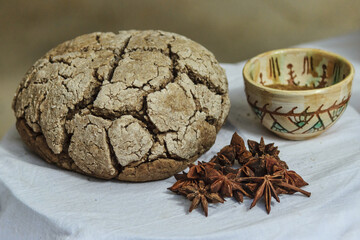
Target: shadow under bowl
{"type": "Point", "coordinates": [298, 93]}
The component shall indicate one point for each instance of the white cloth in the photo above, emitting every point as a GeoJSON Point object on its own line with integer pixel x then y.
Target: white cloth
{"type": "Point", "coordinates": [40, 201]}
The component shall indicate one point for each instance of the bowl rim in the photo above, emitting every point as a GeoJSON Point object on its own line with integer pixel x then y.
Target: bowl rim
{"type": "Point", "coordinates": [246, 72]}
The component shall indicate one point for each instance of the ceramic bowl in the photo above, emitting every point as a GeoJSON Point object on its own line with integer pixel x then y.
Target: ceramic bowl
{"type": "Point", "coordinates": [320, 84]}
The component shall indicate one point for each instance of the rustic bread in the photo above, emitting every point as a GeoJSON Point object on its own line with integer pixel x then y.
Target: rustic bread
{"type": "Point", "coordinates": [136, 106]}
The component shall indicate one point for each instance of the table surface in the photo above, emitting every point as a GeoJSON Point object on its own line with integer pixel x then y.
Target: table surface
{"type": "Point", "coordinates": [39, 201]}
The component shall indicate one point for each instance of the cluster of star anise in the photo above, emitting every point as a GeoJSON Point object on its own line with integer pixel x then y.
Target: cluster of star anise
{"type": "Point", "coordinates": [261, 174]}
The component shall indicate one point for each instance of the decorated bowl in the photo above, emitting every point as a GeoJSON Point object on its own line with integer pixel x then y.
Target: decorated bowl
{"type": "Point", "coordinates": [298, 93]}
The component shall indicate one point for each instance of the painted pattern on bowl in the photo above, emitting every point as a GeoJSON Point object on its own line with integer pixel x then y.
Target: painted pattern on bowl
{"type": "Point", "coordinates": [298, 114]}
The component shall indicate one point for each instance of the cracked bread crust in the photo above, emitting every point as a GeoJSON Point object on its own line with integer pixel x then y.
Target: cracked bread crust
{"type": "Point", "coordinates": [135, 106]}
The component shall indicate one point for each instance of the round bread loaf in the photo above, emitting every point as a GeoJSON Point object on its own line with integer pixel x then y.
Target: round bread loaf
{"type": "Point", "coordinates": [135, 106]}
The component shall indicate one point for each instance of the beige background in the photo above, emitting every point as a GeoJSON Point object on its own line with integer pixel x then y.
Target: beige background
{"type": "Point", "coordinates": [233, 30]}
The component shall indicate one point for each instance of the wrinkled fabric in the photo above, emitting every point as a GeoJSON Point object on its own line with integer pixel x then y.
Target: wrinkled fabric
{"type": "Point", "coordinates": [41, 201]}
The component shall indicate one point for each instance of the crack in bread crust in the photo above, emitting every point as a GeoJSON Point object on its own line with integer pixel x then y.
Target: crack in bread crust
{"type": "Point", "coordinates": [163, 85]}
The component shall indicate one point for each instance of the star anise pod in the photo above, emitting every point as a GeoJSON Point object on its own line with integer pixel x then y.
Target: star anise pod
{"type": "Point", "coordinates": [221, 183]}
{"type": "Point", "coordinates": [275, 168]}
{"type": "Point", "coordinates": [229, 152]}
{"type": "Point", "coordinates": [271, 164]}
{"type": "Point", "coordinates": [195, 171]}
{"type": "Point", "coordinates": [223, 169]}
{"type": "Point", "coordinates": [291, 178]}
{"type": "Point", "coordinates": [257, 165]}
{"type": "Point", "coordinates": [241, 153]}
{"type": "Point", "coordinates": [245, 171]}
{"type": "Point", "coordinates": [288, 187]}
{"type": "Point", "coordinates": [226, 185]}
{"type": "Point", "coordinates": [267, 188]}
{"type": "Point", "coordinates": [240, 192]}
{"type": "Point", "coordinates": [222, 160]}
{"type": "Point", "coordinates": [225, 157]}
{"type": "Point", "coordinates": [242, 189]}
{"type": "Point", "coordinates": [260, 149]}
{"type": "Point", "coordinates": [252, 187]}
{"type": "Point", "coordinates": [200, 193]}
{"type": "Point", "coordinates": [182, 181]}
{"type": "Point", "coordinates": [198, 171]}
